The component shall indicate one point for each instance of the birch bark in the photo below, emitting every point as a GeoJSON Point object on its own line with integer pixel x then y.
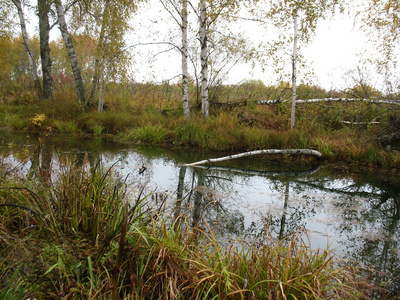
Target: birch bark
{"type": "Point", "coordinates": [258, 152]}
{"type": "Point", "coordinates": [377, 101]}
{"type": "Point", "coordinates": [294, 71]}
{"type": "Point", "coordinates": [44, 33]}
{"type": "Point", "coordinates": [98, 59]}
{"type": "Point", "coordinates": [32, 63]}
{"type": "Point", "coordinates": [76, 70]}
{"type": "Point", "coordinates": [185, 77]}
{"type": "Point", "coordinates": [204, 59]}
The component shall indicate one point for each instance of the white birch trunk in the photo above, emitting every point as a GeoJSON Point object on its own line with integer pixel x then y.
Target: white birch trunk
{"type": "Point", "coordinates": [294, 71]}
{"type": "Point", "coordinates": [99, 55]}
{"type": "Point", "coordinates": [258, 152]}
{"type": "Point", "coordinates": [76, 70]}
{"type": "Point", "coordinates": [204, 59]}
{"type": "Point", "coordinates": [185, 76]}
{"type": "Point", "coordinates": [32, 63]}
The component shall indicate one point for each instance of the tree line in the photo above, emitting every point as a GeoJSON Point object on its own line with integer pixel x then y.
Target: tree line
{"type": "Point", "coordinates": [94, 37]}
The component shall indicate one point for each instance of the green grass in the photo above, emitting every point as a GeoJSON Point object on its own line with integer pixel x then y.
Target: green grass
{"type": "Point", "coordinates": [153, 114]}
{"type": "Point", "coordinates": [81, 236]}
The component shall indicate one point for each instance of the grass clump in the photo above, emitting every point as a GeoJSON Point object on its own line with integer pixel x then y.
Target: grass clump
{"type": "Point", "coordinates": [154, 134]}
{"type": "Point", "coordinates": [81, 233]}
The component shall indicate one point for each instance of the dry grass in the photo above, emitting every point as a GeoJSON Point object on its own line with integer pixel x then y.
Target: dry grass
{"type": "Point", "coordinates": [149, 113]}
{"type": "Point", "coordinates": [77, 238]}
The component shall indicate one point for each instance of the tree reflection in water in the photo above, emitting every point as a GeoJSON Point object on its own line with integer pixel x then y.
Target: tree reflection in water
{"type": "Point", "coordinates": [359, 212]}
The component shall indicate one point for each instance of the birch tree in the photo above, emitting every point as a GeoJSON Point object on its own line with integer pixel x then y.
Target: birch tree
{"type": "Point", "coordinates": [204, 58]}
{"type": "Point", "coordinates": [99, 55]}
{"type": "Point", "coordinates": [179, 12]}
{"type": "Point", "coordinates": [185, 73]}
{"type": "Point", "coordinates": [294, 69]}
{"type": "Point", "coordinates": [303, 16]}
{"type": "Point", "coordinates": [212, 49]}
{"type": "Point", "coordinates": [44, 36]}
{"type": "Point", "coordinates": [108, 21]}
{"type": "Point", "coordinates": [25, 37]}
{"type": "Point", "coordinates": [76, 70]}
{"type": "Point", "coordinates": [215, 36]}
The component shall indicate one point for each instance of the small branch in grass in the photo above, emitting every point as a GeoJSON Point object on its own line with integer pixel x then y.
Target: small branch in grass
{"type": "Point", "coordinates": [359, 123]}
{"type": "Point", "coordinates": [258, 152]}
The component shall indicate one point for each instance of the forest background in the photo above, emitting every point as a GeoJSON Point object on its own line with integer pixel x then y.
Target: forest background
{"type": "Point", "coordinates": [166, 76]}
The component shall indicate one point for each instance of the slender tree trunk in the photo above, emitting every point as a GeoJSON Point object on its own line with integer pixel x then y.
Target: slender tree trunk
{"type": "Point", "coordinates": [102, 89]}
{"type": "Point", "coordinates": [204, 59]}
{"type": "Point", "coordinates": [99, 54]}
{"type": "Point", "coordinates": [294, 71]}
{"type": "Point", "coordinates": [44, 31]}
{"type": "Point", "coordinates": [185, 76]}
{"type": "Point", "coordinates": [76, 70]}
{"type": "Point", "coordinates": [32, 62]}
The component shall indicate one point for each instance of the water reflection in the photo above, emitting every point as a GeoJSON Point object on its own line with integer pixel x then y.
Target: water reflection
{"type": "Point", "coordinates": [357, 214]}
{"type": "Point", "coordinates": [251, 198]}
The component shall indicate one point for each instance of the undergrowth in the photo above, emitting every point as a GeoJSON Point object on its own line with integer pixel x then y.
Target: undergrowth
{"type": "Point", "coordinates": [232, 126]}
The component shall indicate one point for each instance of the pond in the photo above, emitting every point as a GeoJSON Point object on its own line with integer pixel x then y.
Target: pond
{"type": "Point", "coordinates": [354, 213]}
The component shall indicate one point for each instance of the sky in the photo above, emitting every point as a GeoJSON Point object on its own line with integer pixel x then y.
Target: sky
{"type": "Point", "coordinates": [334, 50]}
{"type": "Point", "coordinates": [337, 47]}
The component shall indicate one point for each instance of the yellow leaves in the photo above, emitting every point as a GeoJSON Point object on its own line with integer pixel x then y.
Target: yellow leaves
{"type": "Point", "coordinates": [38, 120]}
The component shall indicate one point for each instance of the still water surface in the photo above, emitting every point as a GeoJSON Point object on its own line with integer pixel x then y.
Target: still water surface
{"type": "Point", "coordinates": [355, 213]}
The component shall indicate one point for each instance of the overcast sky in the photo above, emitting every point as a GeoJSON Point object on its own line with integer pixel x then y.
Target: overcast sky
{"type": "Point", "coordinates": [331, 53]}
{"type": "Point", "coordinates": [334, 50]}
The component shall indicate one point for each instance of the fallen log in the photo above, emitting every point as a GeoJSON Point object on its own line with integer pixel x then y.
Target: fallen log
{"type": "Point", "coordinates": [257, 152]}
{"type": "Point", "coordinates": [376, 101]}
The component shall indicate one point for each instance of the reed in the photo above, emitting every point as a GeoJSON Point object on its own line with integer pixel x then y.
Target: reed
{"type": "Point", "coordinates": [81, 236]}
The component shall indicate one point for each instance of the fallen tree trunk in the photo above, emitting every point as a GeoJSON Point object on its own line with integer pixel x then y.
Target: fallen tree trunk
{"type": "Point", "coordinates": [269, 102]}
{"type": "Point", "coordinates": [258, 152]}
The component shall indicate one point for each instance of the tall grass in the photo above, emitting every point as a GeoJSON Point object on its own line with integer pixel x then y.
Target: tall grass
{"type": "Point", "coordinates": [80, 236]}
{"type": "Point", "coordinates": [152, 113]}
